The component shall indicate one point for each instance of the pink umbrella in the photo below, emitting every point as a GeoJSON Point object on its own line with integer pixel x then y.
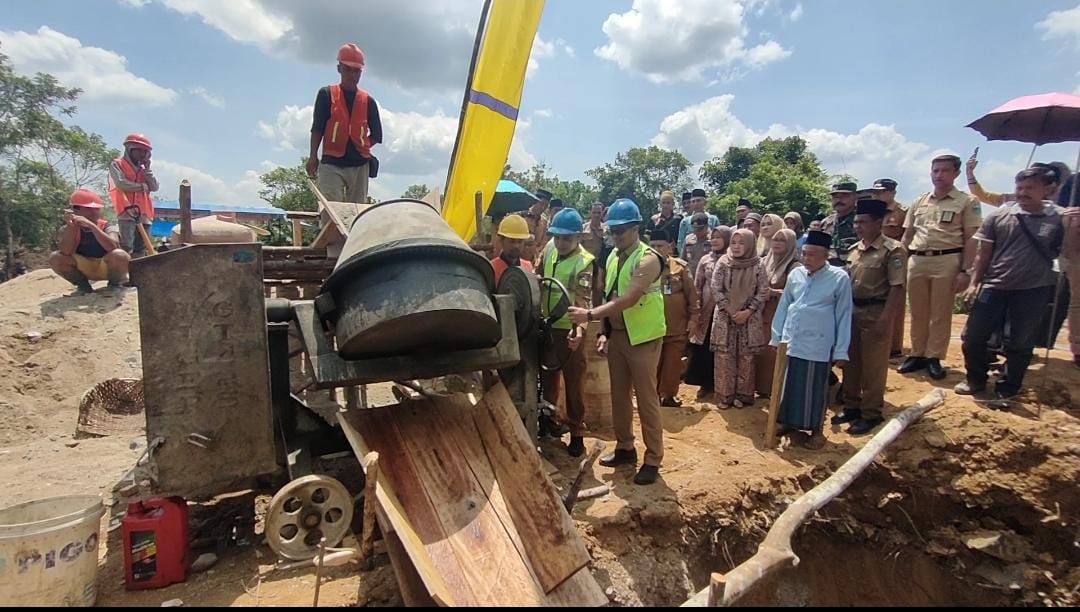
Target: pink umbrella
{"type": "Point", "coordinates": [1039, 119]}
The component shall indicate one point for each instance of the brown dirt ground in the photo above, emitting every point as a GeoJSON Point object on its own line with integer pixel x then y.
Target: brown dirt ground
{"type": "Point", "coordinates": [969, 506]}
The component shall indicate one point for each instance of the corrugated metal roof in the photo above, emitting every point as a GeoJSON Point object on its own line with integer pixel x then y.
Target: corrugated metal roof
{"type": "Point", "coordinates": [214, 207]}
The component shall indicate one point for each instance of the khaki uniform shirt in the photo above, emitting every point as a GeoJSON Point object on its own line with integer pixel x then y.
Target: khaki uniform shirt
{"type": "Point", "coordinates": [643, 276]}
{"type": "Point", "coordinates": [893, 226]}
{"type": "Point", "coordinates": [680, 298]}
{"type": "Point", "coordinates": [939, 223]}
{"type": "Point", "coordinates": [694, 250]}
{"type": "Point", "coordinates": [593, 240]}
{"type": "Point", "coordinates": [876, 268]}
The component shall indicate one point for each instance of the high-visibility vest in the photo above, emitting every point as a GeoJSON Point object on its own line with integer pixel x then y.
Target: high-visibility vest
{"type": "Point", "coordinates": [342, 126]}
{"type": "Point", "coordinates": [122, 199]}
{"type": "Point", "coordinates": [499, 265]}
{"type": "Point", "coordinates": [566, 272]}
{"type": "Point", "coordinates": [645, 319]}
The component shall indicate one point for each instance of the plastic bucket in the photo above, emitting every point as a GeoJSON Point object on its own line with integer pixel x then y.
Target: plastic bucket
{"type": "Point", "coordinates": [48, 551]}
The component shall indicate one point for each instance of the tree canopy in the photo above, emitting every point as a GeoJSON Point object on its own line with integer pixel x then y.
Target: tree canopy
{"type": "Point", "coordinates": [640, 174]}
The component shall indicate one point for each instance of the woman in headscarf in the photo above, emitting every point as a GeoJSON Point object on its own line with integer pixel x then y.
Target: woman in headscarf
{"type": "Point", "coordinates": [741, 288]}
{"type": "Point", "coordinates": [770, 224]}
{"type": "Point", "coordinates": [699, 369]}
{"type": "Point", "coordinates": [778, 264]}
{"type": "Point", "coordinates": [793, 221]}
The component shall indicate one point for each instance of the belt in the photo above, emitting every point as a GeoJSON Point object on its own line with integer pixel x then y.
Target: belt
{"type": "Point", "coordinates": [867, 301]}
{"type": "Point", "coordinates": [936, 253]}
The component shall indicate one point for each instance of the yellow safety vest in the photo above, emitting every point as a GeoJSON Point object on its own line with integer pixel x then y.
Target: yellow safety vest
{"type": "Point", "coordinates": [566, 272]}
{"type": "Point", "coordinates": [645, 319]}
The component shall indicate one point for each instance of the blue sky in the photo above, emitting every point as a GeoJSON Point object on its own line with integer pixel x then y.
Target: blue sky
{"type": "Point", "coordinates": [224, 88]}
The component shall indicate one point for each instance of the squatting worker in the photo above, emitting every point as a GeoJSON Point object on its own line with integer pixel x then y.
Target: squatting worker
{"type": "Point", "coordinates": [632, 339]}
{"type": "Point", "coordinates": [131, 181]}
{"type": "Point", "coordinates": [89, 246]}
{"type": "Point", "coordinates": [878, 268]}
{"type": "Point", "coordinates": [681, 311]}
{"type": "Point", "coordinates": [893, 227]}
{"type": "Point", "coordinates": [938, 234]}
{"type": "Point", "coordinates": [565, 260]}
{"type": "Point", "coordinates": [346, 122]}
{"type": "Point", "coordinates": [513, 232]}
{"type": "Point", "coordinates": [814, 319]}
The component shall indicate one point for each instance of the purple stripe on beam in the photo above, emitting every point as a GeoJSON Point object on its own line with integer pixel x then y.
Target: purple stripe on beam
{"type": "Point", "coordinates": [492, 103]}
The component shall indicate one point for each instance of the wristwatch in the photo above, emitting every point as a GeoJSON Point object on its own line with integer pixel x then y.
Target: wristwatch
{"type": "Point", "coordinates": [588, 315]}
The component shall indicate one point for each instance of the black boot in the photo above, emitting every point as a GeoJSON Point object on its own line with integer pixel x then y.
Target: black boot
{"type": "Point", "coordinates": [646, 475]}
{"type": "Point", "coordinates": [935, 369]}
{"type": "Point", "coordinates": [912, 364]}
{"type": "Point", "coordinates": [619, 457]}
{"type": "Point", "coordinates": [576, 448]}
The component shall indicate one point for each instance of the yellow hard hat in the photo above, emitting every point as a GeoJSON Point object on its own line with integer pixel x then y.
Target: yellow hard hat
{"type": "Point", "coordinates": [514, 227]}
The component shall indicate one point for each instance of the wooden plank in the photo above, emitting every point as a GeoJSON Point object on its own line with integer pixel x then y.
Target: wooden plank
{"type": "Point", "coordinates": [779, 373]}
{"type": "Point", "coordinates": [450, 473]}
{"type": "Point", "coordinates": [555, 551]}
{"type": "Point", "coordinates": [417, 538]}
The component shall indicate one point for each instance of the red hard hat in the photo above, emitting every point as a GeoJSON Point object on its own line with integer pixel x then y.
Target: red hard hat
{"type": "Point", "coordinates": [85, 198]}
{"type": "Point", "coordinates": [137, 139]}
{"type": "Point", "coordinates": [350, 55]}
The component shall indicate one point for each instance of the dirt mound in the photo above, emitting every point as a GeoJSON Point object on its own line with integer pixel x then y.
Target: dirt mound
{"type": "Point", "coordinates": [53, 348]}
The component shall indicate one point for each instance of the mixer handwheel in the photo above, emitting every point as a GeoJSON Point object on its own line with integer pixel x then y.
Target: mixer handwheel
{"type": "Point", "coordinates": [303, 512]}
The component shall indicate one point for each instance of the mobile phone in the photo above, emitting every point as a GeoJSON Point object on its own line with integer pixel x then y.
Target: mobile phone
{"type": "Point", "coordinates": [975, 155]}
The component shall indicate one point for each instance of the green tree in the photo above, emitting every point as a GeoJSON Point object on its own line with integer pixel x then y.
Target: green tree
{"type": "Point", "coordinates": [573, 193]}
{"type": "Point", "coordinates": [41, 159]}
{"type": "Point", "coordinates": [416, 192]}
{"type": "Point", "coordinates": [287, 188]}
{"type": "Point", "coordinates": [777, 175]}
{"type": "Point", "coordinates": [641, 174]}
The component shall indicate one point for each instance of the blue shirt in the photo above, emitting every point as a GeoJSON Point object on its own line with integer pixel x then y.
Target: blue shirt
{"type": "Point", "coordinates": [684, 228]}
{"type": "Point", "coordinates": [814, 315]}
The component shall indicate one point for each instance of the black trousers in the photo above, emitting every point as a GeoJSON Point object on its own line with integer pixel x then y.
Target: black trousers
{"type": "Point", "coordinates": [1023, 310]}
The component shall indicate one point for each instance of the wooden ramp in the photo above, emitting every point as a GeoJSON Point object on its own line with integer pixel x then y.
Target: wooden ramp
{"type": "Point", "coordinates": [470, 517]}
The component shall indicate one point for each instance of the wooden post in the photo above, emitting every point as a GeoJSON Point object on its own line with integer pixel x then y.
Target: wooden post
{"type": "Point", "coordinates": [185, 212]}
{"type": "Point", "coordinates": [775, 551]}
{"type": "Point", "coordinates": [367, 539]}
{"type": "Point", "coordinates": [297, 232]}
{"type": "Point", "coordinates": [779, 373]}
{"type": "Point", "coordinates": [479, 202]}
{"type": "Point", "coordinates": [575, 487]}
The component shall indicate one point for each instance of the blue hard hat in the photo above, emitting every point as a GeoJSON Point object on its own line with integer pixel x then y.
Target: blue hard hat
{"type": "Point", "coordinates": [623, 211]}
{"type": "Point", "coordinates": [565, 223]}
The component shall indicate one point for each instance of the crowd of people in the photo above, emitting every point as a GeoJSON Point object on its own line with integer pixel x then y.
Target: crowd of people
{"type": "Point", "coordinates": [684, 299]}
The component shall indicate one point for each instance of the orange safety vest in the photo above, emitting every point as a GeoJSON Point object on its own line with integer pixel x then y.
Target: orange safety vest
{"type": "Point", "coordinates": [342, 127]}
{"type": "Point", "coordinates": [122, 200]}
{"type": "Point", "coordinates": [500, 266]}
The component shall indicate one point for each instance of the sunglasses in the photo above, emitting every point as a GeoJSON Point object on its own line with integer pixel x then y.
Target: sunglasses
{"type": "Point", "coordinates": [619, 230]}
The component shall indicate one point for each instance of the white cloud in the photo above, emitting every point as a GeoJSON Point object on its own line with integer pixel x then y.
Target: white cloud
{"type": "Point", "coordinates": [206, 187]}
{"type": "Point", "coordinates": [686, 40]}
{"type": "Point", "coordinates": [542, 49]}
{"type": "Point", "coordinates": [707, 129]}
{"type": "Point", "coordinates": [101, 74]}
{"type": "Point", "coordinates": [1062, 25]}
{"type": "Point", "coordinates": [416, 44]}
{"type": "Point", "coordinates": [796, 13]}
{"type": "Point", "coordinates": [545, 113]}
{"type": "Point", "coordinates": [290, 128]}
{"type": "Point", "coordinates": [212, 99]}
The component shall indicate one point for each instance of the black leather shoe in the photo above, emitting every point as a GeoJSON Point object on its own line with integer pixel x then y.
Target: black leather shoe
{"type": "Point", "coordinates": [619, 457]}
{"type": "Point", "coordinates": [862, 426]}
{"type": "Point", "coordinates": [934, 369]}
{"type": "Point", "coordinates": [846, 416]}
{"type": "Point", "coordinates": [646, 475]}
{"type": "Point", "coordinates": [670, 402]}
{"type": "Point", "coordinates": [576, 448]}
{"type": "Point", "coordinates": [912, 364]}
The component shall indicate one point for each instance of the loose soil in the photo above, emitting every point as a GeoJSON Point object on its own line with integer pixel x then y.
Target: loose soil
{"type": "Point", "coordinates": [969, 506]}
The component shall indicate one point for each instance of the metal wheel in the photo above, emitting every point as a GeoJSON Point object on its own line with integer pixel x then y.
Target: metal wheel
{"type": "Point", "coordinates": [305, 511]}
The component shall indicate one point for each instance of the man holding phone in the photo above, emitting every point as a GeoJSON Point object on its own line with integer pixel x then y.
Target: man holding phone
{"type": "Point", "coordinates": [130, 184]}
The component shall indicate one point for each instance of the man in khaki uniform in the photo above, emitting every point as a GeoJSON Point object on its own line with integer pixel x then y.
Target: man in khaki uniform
{"type": "Point", "coordinates": [878, 268]}
{"type": "Point", "coordinates": [937, 234]}
{"type": "Point", "coordinates": [893, 227]}
{"type": "Point", "coordinates": [841, 223]}
{"type": "Point", "coordinates": [681, 311]}
{"type": "Point", "coordinates": [632, 339]}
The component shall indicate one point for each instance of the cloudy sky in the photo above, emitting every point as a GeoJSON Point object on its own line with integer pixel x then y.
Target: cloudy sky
{"type": "Point", "coordinates": [224, 89]}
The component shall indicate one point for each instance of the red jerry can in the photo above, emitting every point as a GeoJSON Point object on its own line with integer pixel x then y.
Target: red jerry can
{"type": "Point", "coordinates": [156, 542]}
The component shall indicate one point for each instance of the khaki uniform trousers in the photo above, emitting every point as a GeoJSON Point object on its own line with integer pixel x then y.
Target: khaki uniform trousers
{"type": "Point", "coordinates": [898, 326]}
{"type": "Point", "coordinates": [868, 366]}
{"type": "Point", "coordinates": [636, 366]}
{"type": "Point", "coordinates": [932, 300]}
{"type": "Point", "coordinates": [669, 373]}
{"type": "Point", "coordinates": [340, 184]}
{"type": "Point", "coordinates": [1071, 268]}
{"type": "Point", "coordinates": [573, 373]}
